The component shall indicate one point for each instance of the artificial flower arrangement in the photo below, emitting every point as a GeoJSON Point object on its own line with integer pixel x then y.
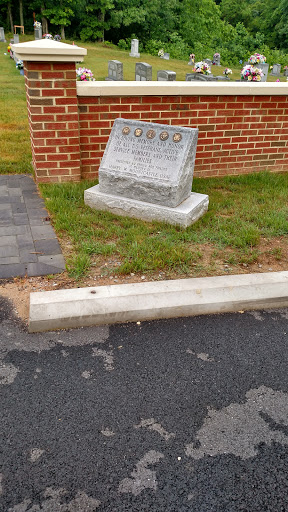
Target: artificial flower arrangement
{"type": "Point", "coordinates": [257, 58]}
{"type": "Point", "coordinates": [251, 74]}
{"type": "Point", "coordinates": [8, 48]}
{"type": "Point", "coordinates": [37, 24]}
{"type": "Point", "coordinates": [285, 67]}
{"type": "Point", "coordinates": [216, 55]}
{"type": "Point", "coordinates": [84, 75]}
{"type": "Point", "coordinates": [202, 67]}
{"type": "Point", "coordinates": [227, 71]}
{"type": "Point", "coordinates": [57, 37]}
{"type": "Point", "coordinates": [19, 64]}
{"type": "Point", "coordinates": [47, 36]}
{"type": "Point", "coordinates": [161, 53]}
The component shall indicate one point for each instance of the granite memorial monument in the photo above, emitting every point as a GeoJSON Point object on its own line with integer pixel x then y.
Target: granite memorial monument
{"type": "Point", "coordinates": [147, 172]}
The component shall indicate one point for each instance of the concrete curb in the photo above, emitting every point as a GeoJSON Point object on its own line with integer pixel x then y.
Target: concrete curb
{"type": "Point", "coordinates": [81, 307]}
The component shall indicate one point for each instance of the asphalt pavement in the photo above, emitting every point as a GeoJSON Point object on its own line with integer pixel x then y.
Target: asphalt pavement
{"type": "Point", "coordinates": [188, 414]}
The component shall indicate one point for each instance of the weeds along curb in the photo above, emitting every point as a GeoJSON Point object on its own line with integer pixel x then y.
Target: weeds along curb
{"type": "Point", "coordinates": [62, 309]}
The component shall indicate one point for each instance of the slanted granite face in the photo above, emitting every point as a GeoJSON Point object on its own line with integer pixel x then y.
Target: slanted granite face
{"type": "Point", "coordinates": [198, 76]}
{"type": "Point", "coordinates": [134, 48]}
{"type": "Point", "coordinates": [115, 70]}
{"type": "Point", "coordinates": [149, 162]}
{"type": "Point", "coordinates": [143, 71]}
{"type": "Point", "coordinates": [2, 35]}
{"type": "Point", "coordinates": [166, 76]}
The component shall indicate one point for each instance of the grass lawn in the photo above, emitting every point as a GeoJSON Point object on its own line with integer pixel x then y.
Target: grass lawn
{"type": "Point", "coordinates": [244, 230]}
{"type": "Point", "coordinates": [246, 225]}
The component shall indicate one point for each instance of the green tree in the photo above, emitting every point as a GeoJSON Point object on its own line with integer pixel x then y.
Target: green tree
{"type": "Point", "coordinates": [95, 20]}
{"type": "Point", "coordinates": [60, 14]}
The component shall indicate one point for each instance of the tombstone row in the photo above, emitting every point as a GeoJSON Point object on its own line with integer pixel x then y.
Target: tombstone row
{"type": "Point", "coordinates": [143, 72]}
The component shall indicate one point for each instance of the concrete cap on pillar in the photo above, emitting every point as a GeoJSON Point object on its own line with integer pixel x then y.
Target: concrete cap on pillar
{"type": "Point", "coordinates": [47, 50]}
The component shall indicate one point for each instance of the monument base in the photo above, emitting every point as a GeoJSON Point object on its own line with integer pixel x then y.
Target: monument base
{"type": "Point", "coordinates": [183, 215]}
{"type": "Point", "coordinates": [134, 55]}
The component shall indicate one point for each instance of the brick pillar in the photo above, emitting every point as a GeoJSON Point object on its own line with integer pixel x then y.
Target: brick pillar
{"type": "Point", "coordinates": [50, 80]}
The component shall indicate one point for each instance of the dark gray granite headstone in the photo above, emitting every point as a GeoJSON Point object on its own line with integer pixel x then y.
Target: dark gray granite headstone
{"type": "Point", "coordinates": [16, 38]}
{"type": "Point", "coordinates": [134, 48]}
{"type": "Point", "coordinates": [166, 76]}
{"type": "Point", "coordinates": [115, 70]}
{"type": "Point", "coordinates": [149, 162]}
{"type": "Point", "coordinates": [38, 33]}
{"type": "Point", "coordinates": [143, 71]}
{"type": "Point", "coordinates": [276, 70]}
{"type": "Point", "coordinates": [2, 35]}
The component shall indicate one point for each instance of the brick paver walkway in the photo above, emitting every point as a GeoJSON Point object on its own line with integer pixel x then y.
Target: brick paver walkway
{"type": "Point", "coordinates": [28, 244]}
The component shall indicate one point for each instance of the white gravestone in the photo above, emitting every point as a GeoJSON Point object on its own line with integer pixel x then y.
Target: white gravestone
{"type": "Point", "coordinates": [143, 72]}
{"type": "Point", "coordinates": [115, 70]}
{"type": "Point", "coordinates": [16, 38]}
{"type": "Point", "coordinates": [166, 76]}
{"type": "Point", "coordinates": [166, 56]}
{"type": "Point", "coordinates": [134, 48]}
{"type": "Point", "coordinates": [2, 35]}
{"type": "Point", "coordinates": [147, 172]}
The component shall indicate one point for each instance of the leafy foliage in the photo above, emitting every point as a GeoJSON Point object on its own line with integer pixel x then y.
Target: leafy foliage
{"type": "Point", "coordinates": [234, 28]}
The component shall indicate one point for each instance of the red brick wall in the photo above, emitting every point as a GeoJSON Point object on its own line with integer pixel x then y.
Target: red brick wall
{"type": "Point", "coordinates": [237, 134]}
{"type": "Point", "coordinates": [53, 120]}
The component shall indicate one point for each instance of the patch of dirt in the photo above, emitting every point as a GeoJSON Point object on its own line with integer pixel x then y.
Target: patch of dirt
{"type": "Point", "coordinates": [268, 256]}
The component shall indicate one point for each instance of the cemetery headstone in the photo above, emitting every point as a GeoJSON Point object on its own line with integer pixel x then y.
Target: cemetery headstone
{"type": "Point", "coordinates": [134, 48]}
{"type": "Point", "coordinates": [191, 59]}
{"type": "Point", "coordinates": [285, 72]}
{"type": "Point", "coordinates": [143, 71]}
{"type": "Point", "coordinates": [216, 59]}
{"type": "Point", "coordinates": [147, 172]}
{"type": "Point", "coordinates": [166, 56]}
{"type": "Point", "coordinates": [2, 35]}
{"type": "Point", "coordinates": [190, 77]}
{"type": "Point", "coordinates": [276, 70]}
{"type": "Point", "coordinates": [265, 69]}
{"type": "Point", "coordinates": [208, 61]}
{"type": "Point", "coordinates": [37, 33]}
{"type": "Point", "coordinates": [222, 78]}
{"type": "Point", "coordinates": [166, 76]}
{"type": "Point", "coordinates": [16, 38]}
{"type": "Point", "coordinates": [115, 70]}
